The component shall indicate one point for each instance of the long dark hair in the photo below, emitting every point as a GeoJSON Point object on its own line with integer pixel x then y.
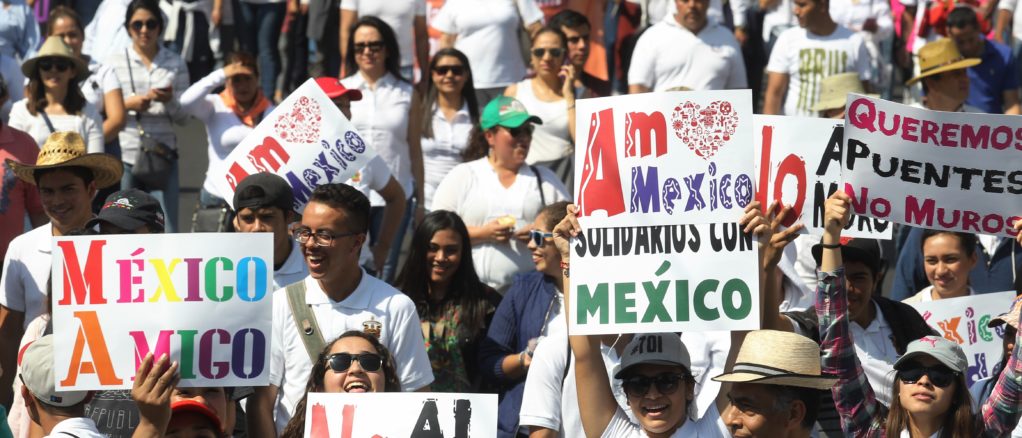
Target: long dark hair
{"type": "Point", "coordinates": [74, 100]}
{"type": "Point", "coordinates": [150, 5]}
{"type": "Point", "coordinates": [477, 146]}
{"type": "Point", "coordinates": [465, 290]}
{"type": "Point", "coordinates": [957, 422]}
{"type": "Point", "coordinates": [296, 426]}
{"type": "Point", "coordinates": [392, 62]}
{"type": "Point", "coordinates": [967, 241]}
{"type": "Point", "coordinates": [468, 91]}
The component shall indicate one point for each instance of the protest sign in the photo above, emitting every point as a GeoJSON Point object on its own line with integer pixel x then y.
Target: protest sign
{"type": "Point", "coordinates": [419, 415]}
{"type": "Point", "coordinates": [676, 159]}
{"type": "Point", "coordinates": [306, 140]}
{"type": "Point", "coordinates": [203, 299]}
{"type": "Point", "coordinates": [930, 169]}
{"type": "Point", "coordinates": [964, 321]}
{"type": "Point", "coordinates": [798, 161]}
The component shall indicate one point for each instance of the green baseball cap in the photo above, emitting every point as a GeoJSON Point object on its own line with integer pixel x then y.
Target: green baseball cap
{"type": "Point", "coordinates": [507, 112]}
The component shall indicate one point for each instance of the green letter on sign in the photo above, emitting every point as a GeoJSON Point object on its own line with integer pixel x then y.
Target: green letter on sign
{"type": "Point", "coordinates": [623, 303]}
{"type": "Point", "coordinates": [733, 286]}
{"type": "Point", "coordinates": [590, 304]}
{"type": "Point", "coordinates": [702, 312]}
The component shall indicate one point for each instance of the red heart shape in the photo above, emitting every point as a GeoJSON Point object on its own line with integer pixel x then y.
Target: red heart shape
{"type": "Point", "coordinates": [301, 123]}
{"type": "Point", "coordinates": [705, 130]}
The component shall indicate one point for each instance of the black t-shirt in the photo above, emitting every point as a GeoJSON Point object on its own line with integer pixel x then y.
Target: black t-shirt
{"type": "Point", "coordinates": [114, 412]}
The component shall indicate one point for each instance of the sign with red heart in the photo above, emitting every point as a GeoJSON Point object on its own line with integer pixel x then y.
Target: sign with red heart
{"type": "Point", "coordinates": [705, 130]}
{"type": "Point", "coordinates": [301, 123]}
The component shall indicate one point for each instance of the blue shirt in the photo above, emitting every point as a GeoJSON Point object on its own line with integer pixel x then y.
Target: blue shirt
{"type": "Point", "coordinates": [19, 32]}
{"type": "Point", "coordinates": [989, 79]}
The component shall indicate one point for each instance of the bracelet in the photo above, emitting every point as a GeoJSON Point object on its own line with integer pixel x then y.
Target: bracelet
{"type": "Point", "coordinates": [572, 106]}
{"type": "Point", "coordinates": [565, 269]}
{"type": "Point", "coordinates": [521, 359]}
{"type": "Point", "coordinates": [830, 245]}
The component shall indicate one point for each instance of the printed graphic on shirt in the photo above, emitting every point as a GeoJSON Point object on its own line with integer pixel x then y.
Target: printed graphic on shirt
{"type": "Point", "coordinates": [814, 65]}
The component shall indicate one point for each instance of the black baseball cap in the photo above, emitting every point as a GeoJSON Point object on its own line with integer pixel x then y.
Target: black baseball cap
{"type": "Point", "coordinates": [865, 251]}
{"type": "Point", "coordinates": [130, 209]}
{"type": "Point", "coordinates": [263, 190]}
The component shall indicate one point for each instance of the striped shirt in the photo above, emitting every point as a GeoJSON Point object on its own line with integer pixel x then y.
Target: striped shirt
{"type": "Point", "coordinates": [861, 414]}
{"type": "Point", "coordinates": [167, 69]}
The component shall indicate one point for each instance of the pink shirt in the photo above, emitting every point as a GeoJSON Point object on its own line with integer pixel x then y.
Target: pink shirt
{"type": "Point", "coordinates": [16, 196]}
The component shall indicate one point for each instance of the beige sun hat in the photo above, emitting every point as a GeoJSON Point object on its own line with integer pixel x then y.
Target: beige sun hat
{"type": "Point", "coordinates": [67, 149]}
{"type": "Point", "coordinates": [941, 56]}
{"type": "Point", "coordinates": [772, 357]}
{"type": "Point", "coordinates": [834, 91]}
{"type": "Point", "coordinates": [54, 47]}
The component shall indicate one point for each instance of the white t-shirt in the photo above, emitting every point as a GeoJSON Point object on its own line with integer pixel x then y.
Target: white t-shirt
{"type": "Point", "coordinates": [26, 272]}
{"type": "Point", "coordinates": [807, 59]}
{"type": "Point", "coordinates": [224, 130]}
{"type": "Point", "coordinates": [1016, 29]}
{"type": "Point", "coordinates": [854, 13]}
{"type": "Point", "coordinates": [551, 140]}
{"type": "Point", "coordinates": [778, 18]}
{"type": "Point", "coordinates": [293, 269]}
{"type": "Point", "coordinates": [473, 191]}
{"type": "Point", "coordinates": [399, 14]}
{"type": "Point", "coordinates": [707, 426]}
{"type": "Point", "coordinates": [381, 117]}
{"type": "Point", "coordinates": [369, 180]}
{"type": "Point", "coordinates": [487, 33]}
{"type": "Point", "coordinates": [76, 427]}
{"type": "Point", "coordinates": [442, 152]}
{"type": "Point", "coordinates": [372, 299]}
{"type": "Point", "coordinates": [88, 124]}
{"type": "Point", "coordinates": [926, 295]}
{"type": "Point", "coordinates": [550, 399]}
{"type": "Point", "coordinates": [669, 55]}
{"type": "Point", "coordinates": [101, 80]}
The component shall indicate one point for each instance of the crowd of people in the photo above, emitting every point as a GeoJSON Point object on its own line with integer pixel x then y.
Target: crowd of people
{"type": "Point", "coordinates": [443, 264]}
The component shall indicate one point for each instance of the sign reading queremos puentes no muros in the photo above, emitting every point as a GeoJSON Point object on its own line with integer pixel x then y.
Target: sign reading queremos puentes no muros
{"type": "Point", "coordinates": [931, 169]}
{"type": "Point", "coordinates": [661, 180]}
{"type": "Point", "coordinates": [306, 140]}
{"type": "Point", "coordinates": [202, 299]}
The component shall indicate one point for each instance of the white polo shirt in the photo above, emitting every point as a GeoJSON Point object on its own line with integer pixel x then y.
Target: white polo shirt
{"type": "Point", "coordinates": [76, 427]}
{"type": "Point", "coordinates": [669, 55]}
{"type": "Point", "coordinates": [293, 270]}
{"type": "Point", "coordinates": [26, 271]}
{"type": "Point", "coordinates": [372, 299]}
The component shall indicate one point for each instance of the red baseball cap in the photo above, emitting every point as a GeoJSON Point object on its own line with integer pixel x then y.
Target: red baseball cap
{"type": "Point", "coordinates": [333, 88]}
{"type": "Point", "coordinates": [198, 408]}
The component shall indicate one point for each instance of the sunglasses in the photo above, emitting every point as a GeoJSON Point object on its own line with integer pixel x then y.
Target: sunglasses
{"type": "Point", "coordinates": [940, 377]}
{"type": "Point", "coordinates": [666, 384]}
{"type": "Point", "coordinates": [373, 46]}
{"type": "Point", "coordinates": [340, 362]}
{"type": "Point", "coordinates": [62, 65]}
{"type": "Point", "coordinates": [442, 70]}
{"type": "Point", "coordinates": [148, 24]}
{"type": "Point", "coordinates": [538, 238]}
{"type": "Point", "coordinates": [540, 52]}
{"type": "Point", "coordinates": [524, 130]}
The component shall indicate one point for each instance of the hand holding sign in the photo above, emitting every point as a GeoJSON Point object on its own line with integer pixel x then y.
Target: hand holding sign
{"type": "Point", "coordinates": [837, 211]}
{"type": "Point", "coordinates": [154, 384]}
{"type": "Point", "coordinates": [567, 229]}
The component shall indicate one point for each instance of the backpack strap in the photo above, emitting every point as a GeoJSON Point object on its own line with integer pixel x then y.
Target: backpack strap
{"type": "Point", "coordinates": [305, 320]}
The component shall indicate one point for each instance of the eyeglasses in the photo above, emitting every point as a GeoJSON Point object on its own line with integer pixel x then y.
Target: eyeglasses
{"type": "Point", "coordinates": [373, 46]}
{"type": "Point", "coordinates": [540, 52]}
{"type": "Point", "coordinates": [576, 39]}
{"type": "Point", "coordinates": [538, 238]}
{"type": "Point", "coordinates": [62, 65]}
{"type": "Point", "coordinates": [524, 130]}
{"type": "Point", "coordinates": [151, 24]}
{"type": "Point", "coordinates": [666, 384]}
{"type": "Point", "coordinates": [340, 362]}
{"type": "Point", "coordinates": [940, 377]}
{"type": "Point", "coordinates": [442, 70]}
{"type": "Point", "coordinates": [320, 238]}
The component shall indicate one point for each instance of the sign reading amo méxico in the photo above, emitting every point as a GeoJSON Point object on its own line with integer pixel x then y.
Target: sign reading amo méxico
{"type": "Point", "coordinates": [202, 299]}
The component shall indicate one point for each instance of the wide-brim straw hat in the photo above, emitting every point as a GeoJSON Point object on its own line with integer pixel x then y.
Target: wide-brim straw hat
{"type": "Point", "coordinates": [941, 56]}
{"type": "Point", "coordinates": [67, 149]}
{"type": "Point", "coordinates": [773, 357]}
{"type": "Point", "coordinates": [54, 47]}
{"type": "Point", "coordinates": [834, 91]}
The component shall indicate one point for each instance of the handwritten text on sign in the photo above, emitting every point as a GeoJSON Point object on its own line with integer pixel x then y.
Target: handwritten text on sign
{"type": "Point", "coordinates": [306, 140]}
{"type": "Point", "coordinates": [203, 299]}
{"type": "Point", "coordinates": [421, 415]}
{"type": "Point", "coordinates": [964, 321]}
{"type": "Point", "coordinates": [799, 163]}
{"type": "Point", "coordinates": [951, 171]}
{"type": "Point", "coordinates": [667, 158]}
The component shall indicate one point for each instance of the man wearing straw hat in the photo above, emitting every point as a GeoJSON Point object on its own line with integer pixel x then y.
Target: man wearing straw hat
{"type": "Point", "coordinates": [942, 70]}
{"type": "Point", "coordinates": [834, 91]}
{"type": "Point", "coordinates": [67, 178]}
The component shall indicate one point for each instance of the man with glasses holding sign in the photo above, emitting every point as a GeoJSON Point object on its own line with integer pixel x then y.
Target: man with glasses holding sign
{"type": "Point", "coordinates": [336, 296]}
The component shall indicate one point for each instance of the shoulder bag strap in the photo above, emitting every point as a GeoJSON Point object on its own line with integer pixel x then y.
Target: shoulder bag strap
{"type": "Point", "coordinates": [46, 119]}
{"type": "Point", "coordinates": [539, 184]}
{"type": "Point", "coordinates": [131, 80]}
{"type": "Point", "coordinates": [305, 320]}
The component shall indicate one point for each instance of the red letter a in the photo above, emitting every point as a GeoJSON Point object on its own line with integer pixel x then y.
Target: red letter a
{"type": "Point", "coordinates": [601, 181]}
{"type": "Point", "coordinates": [82, 284]}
